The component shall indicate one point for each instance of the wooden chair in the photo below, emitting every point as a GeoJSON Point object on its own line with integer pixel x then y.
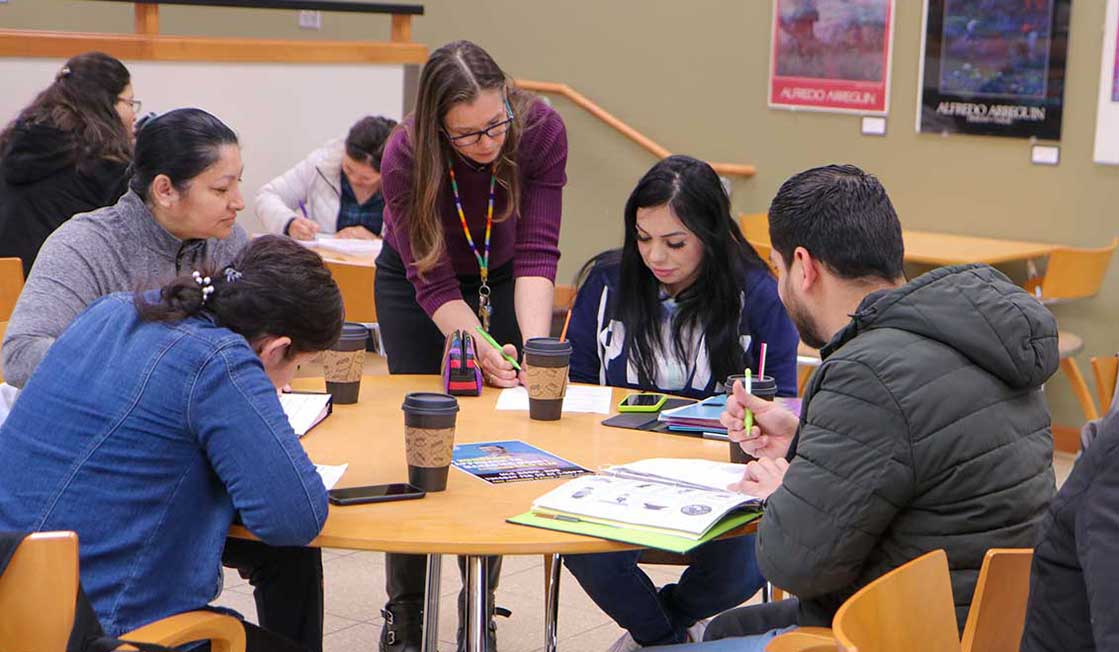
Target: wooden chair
{"type": "Point", "coordinates": [37, 604]}
{"type": "Point", "coordinates": [11, 283]}
{"type": "Point", "coordinates": [910, 608]}
{"type": "Point", "coordinates": [1106, 371]}
{"type": "Point", "coordinates": [355, 281]}
{"type": "Point", "coordinates": [998, 608]}
{"type": "Point", "coordinates": [1073, 273]}
{"type": "Point", "coordinates": [994, 622]}
{"type": "Point", "coordinates": [808, 359]}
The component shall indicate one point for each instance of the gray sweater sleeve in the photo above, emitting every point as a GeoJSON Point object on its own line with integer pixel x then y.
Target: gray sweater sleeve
{"type": "Point", "coordinates": [61, 284]}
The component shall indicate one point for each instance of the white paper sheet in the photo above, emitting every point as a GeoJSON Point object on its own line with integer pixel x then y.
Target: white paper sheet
{"type": "Point", "coordinates": [578, 398]}
{"type": "Point", "coordinates": [331, 474]}
{"type": "Point", "coordinates": [351, 246]}
{"type": "Point", "coordinates": [304, 410]}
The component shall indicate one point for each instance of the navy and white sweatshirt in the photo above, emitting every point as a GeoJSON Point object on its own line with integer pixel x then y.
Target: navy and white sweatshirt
{"type": "Point", "coordinates": [601, 356]}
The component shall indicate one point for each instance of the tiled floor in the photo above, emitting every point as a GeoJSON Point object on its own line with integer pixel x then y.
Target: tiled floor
{"type": "Point", "coordinates": [355, 593]}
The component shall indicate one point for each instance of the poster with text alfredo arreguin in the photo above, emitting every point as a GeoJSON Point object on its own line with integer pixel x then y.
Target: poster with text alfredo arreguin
{"type": "Point", "coordinates": [994, 67]}
{"type": "Point", "coordinates": [831, 55]}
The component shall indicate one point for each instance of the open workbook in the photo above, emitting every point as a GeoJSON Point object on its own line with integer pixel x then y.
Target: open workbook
{"type": "Point", "coordinates": [671, 504]}
{"type": "Point", "coordinates": [305, 409]}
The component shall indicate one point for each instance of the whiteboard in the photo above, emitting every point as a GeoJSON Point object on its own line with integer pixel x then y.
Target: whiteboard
{"type": "Point", "coordinates": [281, 112]}
{"type": "Point", "coordinates": [1107, 116]}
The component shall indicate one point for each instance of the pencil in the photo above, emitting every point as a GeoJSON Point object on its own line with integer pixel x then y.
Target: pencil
{"type": "Point", "coordinates": [486, 336]}
{"type": "Point", "coordinates": [566, 323]}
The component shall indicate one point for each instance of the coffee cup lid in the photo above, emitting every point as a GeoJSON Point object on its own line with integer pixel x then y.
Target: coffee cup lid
{"type": "Point", "coordinates": [351, 330]}
{"type": "Point", "coordinates": [547, 346]}
{"type": "Point", "coordinates": [755, 381]}
{"type": "Point", "coordinates": [430, 403]}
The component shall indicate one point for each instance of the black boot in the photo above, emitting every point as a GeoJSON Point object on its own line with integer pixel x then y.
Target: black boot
{"type": "Point", "coordinates": [403, 630]}
{"type": "Point", "coordinates": [404, 583]}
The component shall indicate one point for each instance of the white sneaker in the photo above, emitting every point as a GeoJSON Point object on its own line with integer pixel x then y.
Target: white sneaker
{"type": "Point", "coordinates": [624, 644]}
{"type": "Point", "coordinates": [695, 632]}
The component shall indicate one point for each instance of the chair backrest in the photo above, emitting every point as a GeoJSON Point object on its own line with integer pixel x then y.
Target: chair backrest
{"type": "Point", "coordinates": [11, 283]}
{"type": "Point", "coordinates": [1106, 371]}
{"type": "Point", "coordinates": [998, 608]}
{"type": "Point", "coordinates": [37, 593]}
{"type": "Point", "coordinates": [355, 281]}
{"type": "Point", "coordinates": [1075, 273]}
{"type": "Point", "coordinates": [910, 608]}
{"type": "Point", "coordinates": [755, 226]}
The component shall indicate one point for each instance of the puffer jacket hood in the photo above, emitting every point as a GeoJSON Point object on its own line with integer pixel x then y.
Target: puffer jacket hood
{"type": "Point", "coordinates": [36, 152]}
{"type": "Point", "coordinates": [976, 310]}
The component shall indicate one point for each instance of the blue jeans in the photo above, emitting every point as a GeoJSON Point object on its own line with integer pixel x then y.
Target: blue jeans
{"type": "Point", "coordinates": [722, 575]}
{"type": "Point", "coordinates": [737, 644]}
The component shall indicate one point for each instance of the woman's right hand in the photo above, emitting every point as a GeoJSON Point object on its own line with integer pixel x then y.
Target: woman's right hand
{"type": "Point", "coordinates": [774, 426]}
{"type": "Point", "coordinates": [496, 370]}
{"type": "Point", "coordinates": [302, 228]}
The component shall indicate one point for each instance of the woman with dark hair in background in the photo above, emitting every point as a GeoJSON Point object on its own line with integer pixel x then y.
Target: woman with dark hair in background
{"type": "Point", "coordinates": [180, 212]}
{"type": "Point", "coordinates": [336, 189]}
{"type": "Point", "coordinates": [153, 421]}
{"type": "Point", "coordinates": [66, 153]}
{"type": "Point", "coordinates": [473, 183]}
{"type": "Point", "coordinates": [685, 303]}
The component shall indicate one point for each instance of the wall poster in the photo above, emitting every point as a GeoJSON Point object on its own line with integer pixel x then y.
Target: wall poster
{"type": "Point", "coordinates": [831, 55]}
{"type": "Point", "coordinates": [994, 67]}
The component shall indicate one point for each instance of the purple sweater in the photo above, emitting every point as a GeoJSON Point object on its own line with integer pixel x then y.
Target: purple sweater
{"type": "Point", "coordinates": [530, 239]}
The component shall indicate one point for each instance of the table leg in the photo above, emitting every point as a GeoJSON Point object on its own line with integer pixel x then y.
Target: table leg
{"type": "Point", "coordinates": [477, 595]}
{"type": "Point", "coordinates": [767, 592]}
{"type": "Point", "coordinates": [553, 564]}
{"type": "Point", "coordinates": [431, 603]}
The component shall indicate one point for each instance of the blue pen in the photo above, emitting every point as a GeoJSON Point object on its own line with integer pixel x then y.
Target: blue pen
{"type": "Point", "coordinates": [303, 209]}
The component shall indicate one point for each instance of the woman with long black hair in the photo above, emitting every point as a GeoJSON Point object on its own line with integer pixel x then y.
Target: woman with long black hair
{"type": "Point", "coordinates": [685, 303]}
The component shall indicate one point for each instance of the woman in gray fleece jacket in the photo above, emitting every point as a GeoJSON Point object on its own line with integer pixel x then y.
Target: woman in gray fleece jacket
{"type": "Point", "coordinates": [180, 209]}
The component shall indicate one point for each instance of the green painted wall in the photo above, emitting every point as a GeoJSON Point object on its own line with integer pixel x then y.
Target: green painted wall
{"type": "Point", "coordinates": [692, 75]}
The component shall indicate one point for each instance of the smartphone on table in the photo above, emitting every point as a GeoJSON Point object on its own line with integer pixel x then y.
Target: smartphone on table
{"type": "Point", "coordinates": [377, 493]}
{"type": "Point", "coordinates": [643, 402]}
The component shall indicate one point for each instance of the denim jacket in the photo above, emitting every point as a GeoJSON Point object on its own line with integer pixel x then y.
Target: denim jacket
{"type": "Point", "coordinates": [146, 438]}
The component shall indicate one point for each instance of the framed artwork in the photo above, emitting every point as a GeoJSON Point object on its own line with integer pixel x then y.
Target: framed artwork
{"type": "Point", "coordinates": [831, 55]}
{"type": "Point", "coordinates": [994, 67]}
{"type": "Point", "coordinates": [1107, 113]}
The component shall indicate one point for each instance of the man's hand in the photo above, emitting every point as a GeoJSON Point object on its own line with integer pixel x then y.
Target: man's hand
{"type": "Point", "coordinates": [356, 233]}
{"type": "Point", "coordinates": [774, 426]}
{"type": "Point", "coordinates": [302, 228]}
{"type": "Point", "coordinates": [762, 477]}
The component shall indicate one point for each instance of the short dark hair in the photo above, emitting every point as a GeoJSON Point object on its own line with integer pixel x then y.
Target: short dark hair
{"type": "Point", "coordinates": [366, 141]}
{"type": "Point", "coordinates": [180, 144]}
{"type": "Point", "coordinates": [274, 286]}
{"type": "Point", "coordinates": [843, 217]}
{"type": "Point", "coordinates": [82, 103]}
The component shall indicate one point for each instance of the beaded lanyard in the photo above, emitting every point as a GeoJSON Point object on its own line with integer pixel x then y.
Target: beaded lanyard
{"type": "Point", "coordinates": [484, 307]}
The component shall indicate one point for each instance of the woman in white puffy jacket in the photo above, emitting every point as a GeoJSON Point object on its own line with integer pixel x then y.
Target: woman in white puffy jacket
{"type": "Point", "coordinates": [336, 189]}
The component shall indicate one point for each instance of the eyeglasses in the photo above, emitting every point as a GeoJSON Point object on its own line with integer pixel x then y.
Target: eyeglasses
{"type": "Point", "coordinates": [134, 103]}
{"type": "Point", "coordinates": [494, 132]}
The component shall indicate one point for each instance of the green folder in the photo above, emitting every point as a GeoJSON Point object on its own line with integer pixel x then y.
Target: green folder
{"type": "Point", "coordinates": [643, 538]}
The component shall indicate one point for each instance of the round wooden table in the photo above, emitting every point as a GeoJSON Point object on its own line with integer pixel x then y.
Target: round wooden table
{"type": "Point", "coordinates": [469, 517]}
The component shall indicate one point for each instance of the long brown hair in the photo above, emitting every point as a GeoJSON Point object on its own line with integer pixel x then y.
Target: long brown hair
{"type": "Point", "coordinates": [82, 102]}
{"type": "Point", "coordinates": [457, 72]}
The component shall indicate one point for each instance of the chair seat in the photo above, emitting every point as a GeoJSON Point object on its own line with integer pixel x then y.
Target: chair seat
{"type": "Point", "coordinates": [1069, 344]}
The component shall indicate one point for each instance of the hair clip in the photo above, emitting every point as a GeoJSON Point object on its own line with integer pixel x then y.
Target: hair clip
{"type": "Point", "coordinates": [64, 72]}
{"type": "Point", "coordinates": [204, 281]}
{"type": "Point", "coordinates": [232, 275]}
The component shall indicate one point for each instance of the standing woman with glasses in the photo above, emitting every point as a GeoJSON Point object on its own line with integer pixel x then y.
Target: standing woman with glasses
{"type": "Point", "coordinates": [66, 153]}
{"type": "Point", "coordinates": [473, 182]}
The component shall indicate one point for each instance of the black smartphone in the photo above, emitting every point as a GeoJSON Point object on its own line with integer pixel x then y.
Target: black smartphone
{"type": "Point", "coordinates": [376, 493]}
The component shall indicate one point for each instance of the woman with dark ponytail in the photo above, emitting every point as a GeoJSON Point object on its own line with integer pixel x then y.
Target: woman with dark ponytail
{"type": "Point", "coordinates": [154, 421]}
{"type": "Point", "coordinates": [65, 153]}
{"type": "Point", "coordinates": [179, 214]}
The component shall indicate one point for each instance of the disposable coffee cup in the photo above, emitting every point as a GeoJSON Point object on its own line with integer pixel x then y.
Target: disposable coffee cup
{"type": "Point", "coordinates": [547, 360]}
{"type": "Point", "coordinates": [429, 438]}
{"type": "Point", "coordinates": [764, 388]}
{"type": "Point", "coordinates": [343, 363]}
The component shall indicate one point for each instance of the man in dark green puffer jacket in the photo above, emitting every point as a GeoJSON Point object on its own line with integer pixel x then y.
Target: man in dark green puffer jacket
{"type": "Point", "coordinates": [924, 428]}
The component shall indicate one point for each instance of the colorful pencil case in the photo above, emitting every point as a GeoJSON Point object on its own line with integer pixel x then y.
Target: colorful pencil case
{"type": "Point", "coordinates": [462, 375]}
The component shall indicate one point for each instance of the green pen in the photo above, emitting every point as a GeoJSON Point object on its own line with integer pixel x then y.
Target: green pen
{"type": "Point", "coordinates": [486, 336]}
{"type": "Point", "coordinates": [748, 418]}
